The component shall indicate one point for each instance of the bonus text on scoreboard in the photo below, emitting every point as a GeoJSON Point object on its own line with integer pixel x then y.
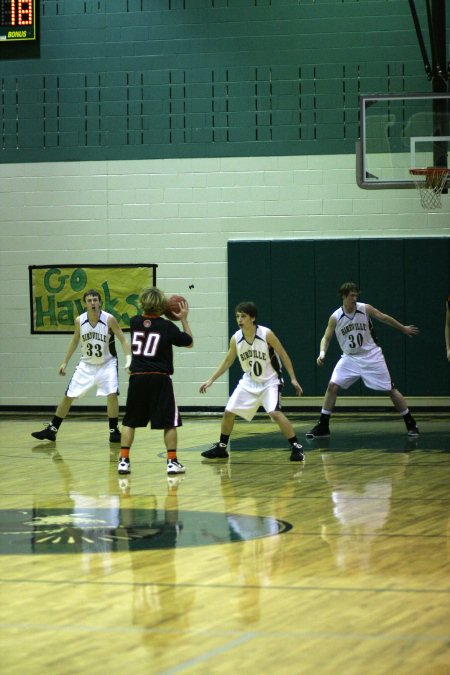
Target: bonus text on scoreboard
{"type": "Point", "coordinates": [17, 20]}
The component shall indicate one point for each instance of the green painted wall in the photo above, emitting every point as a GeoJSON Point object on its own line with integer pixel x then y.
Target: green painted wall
{"type": "Point", "coordinates": [132, 79]}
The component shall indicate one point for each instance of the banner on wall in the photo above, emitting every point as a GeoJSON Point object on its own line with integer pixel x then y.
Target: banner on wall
{"type": "Point", "coordinates": [56, 293]}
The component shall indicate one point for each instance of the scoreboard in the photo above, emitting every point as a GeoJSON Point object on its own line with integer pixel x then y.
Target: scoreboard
{"type": "Point", "coordinates": [18, 20]}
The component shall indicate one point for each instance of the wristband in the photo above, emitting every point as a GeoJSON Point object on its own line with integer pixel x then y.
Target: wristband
{"type": "Point", "coordinates": [127, 361]}
{"type": "Point", "coordinates": [322, 355]}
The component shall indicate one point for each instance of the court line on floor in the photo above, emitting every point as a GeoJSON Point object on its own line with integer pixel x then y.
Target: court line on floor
{"type": "Point", "coordinates": [282, 634]}
{"type": "Point", "coordinates": [290, 589]}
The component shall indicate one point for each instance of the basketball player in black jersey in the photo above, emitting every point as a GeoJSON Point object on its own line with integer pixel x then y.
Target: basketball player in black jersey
{"type": "Point", "coordinates": [150, 391]}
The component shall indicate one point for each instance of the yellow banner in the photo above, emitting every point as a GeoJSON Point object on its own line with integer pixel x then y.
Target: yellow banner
{"type": "Point", "coordinates": [56, 293]}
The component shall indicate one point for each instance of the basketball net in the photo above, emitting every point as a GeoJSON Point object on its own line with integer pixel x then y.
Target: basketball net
{"type": "Point", "coordinates": [430, 182]}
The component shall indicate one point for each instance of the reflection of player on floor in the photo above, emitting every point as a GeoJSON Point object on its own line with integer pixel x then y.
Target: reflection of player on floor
{"type": "Point", "coordinates": [447, 328]}
{"type": "Point", "coordinates": [160, 605]}
{"type": "Point", "coordinates": [97, 365]}
{"type": "Point", "coordinates": [361, 508]}
{"type": "Point", "coordinates": [362, 358]}
{"type": "Point", "coordinates": [260, 354]}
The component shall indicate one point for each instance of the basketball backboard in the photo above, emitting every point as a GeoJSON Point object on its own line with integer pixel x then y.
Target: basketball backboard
{"type": "Point", "coordinates": [399, 132]}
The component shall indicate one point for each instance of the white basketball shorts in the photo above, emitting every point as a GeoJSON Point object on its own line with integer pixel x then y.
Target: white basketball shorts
{"type": "Point", "coordinates": [87, 375]}
{"type": "Point", "coordinates": [245, 402]}
{"type": "Point", "coordinates": [371, 369]}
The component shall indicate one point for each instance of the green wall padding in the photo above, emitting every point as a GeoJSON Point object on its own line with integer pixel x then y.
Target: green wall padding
{"type": "Point", "coordinates": [294, 284]}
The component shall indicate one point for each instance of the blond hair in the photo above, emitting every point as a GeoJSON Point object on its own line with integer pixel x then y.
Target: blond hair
{"type": "Point", "coordinates": [153, 300]}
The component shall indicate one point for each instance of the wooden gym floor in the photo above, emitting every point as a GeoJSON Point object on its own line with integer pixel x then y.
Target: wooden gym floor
{"type": "Point", "coordinates": [255, 565]}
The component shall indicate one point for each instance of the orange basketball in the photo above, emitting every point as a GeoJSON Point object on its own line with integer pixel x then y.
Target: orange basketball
{"type": "Point", "coordinates": [173, 305]}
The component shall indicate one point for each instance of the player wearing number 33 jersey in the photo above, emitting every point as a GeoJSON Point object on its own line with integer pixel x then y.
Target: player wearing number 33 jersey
{"type": "Point", "coordinates": [98, 362]}
{"type": "Point", "coordinates": [97, 341]}
{"type": "Point", "coordinates": [95, 330]}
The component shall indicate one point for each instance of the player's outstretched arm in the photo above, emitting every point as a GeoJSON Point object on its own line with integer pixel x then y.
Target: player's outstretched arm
{"type": "Point", "coordinates": [385, 318]}
{"type": "Point", "coordinates": [222, 367]}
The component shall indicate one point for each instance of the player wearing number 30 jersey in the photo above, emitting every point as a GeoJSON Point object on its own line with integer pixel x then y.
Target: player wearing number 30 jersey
{"type": "Point", "coordinates": [355, 333]}
{"type": "Point", "coordinates": [362, 357]}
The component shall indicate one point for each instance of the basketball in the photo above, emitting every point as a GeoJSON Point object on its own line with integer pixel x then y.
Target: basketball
{"type": "Point", "coordinates": [173, 306]}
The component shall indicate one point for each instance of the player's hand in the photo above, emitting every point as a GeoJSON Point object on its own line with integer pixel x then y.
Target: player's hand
{"type": "Point", "coordinates": [320, 360]}
{"type": "Point", "coordinates": [62, 368]}
{"type": "Point", "coordinates": [204, 386]}
{"type": "Point", "coordinates": [184, 311]}
{"type": "Point", "coordinates": [297, 387]}
{"type": "Point", "coordinates": [411, 330]}
{"type": "Point", "coordinates": [127, 363]}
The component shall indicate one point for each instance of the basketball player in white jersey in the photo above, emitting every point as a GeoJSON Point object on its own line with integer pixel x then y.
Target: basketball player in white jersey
{"type": "Point", "coordinates": [97, 366]}
{"type": "Point", "coordinates": [362, 358]}
{"type": "Point", "coordinates": [260, 354]}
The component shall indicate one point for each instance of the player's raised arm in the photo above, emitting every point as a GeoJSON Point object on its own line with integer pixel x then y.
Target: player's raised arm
{"type": "Point", "coordinates": [182, 316]}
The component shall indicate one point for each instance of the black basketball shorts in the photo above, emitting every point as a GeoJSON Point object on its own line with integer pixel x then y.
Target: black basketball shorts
{"type": "Point", "coordinates": [151, 399]}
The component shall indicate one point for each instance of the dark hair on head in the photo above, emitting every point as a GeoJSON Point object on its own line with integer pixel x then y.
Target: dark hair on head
{"type": "Point", "coordinates": [247, 308]}
{"type": "Point", "coordinates": [92, 291]}
{"type": "Point", "coordinates": [348, 287]}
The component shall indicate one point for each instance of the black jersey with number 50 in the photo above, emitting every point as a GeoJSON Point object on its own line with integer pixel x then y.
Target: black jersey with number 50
{"type": "Point", "coordinates": [152, 338]}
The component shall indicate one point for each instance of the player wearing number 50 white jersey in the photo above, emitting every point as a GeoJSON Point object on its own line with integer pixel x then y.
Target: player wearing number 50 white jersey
{"type": "Point", "coordinates": [259, 361]}
{"type": "Point", "coordinates": [260, 354]}
{"type": "Point", "coordinates": [95, 329]}
{"type": "Point", "coordinates": [362, 357]}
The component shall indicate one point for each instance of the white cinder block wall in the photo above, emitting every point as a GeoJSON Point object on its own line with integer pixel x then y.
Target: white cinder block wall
{"type": "Point", "coordinates": [178, 214]}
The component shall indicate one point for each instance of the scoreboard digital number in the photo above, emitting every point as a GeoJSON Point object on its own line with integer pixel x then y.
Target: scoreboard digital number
{"type": "Point", "coordinates": [18, 21]}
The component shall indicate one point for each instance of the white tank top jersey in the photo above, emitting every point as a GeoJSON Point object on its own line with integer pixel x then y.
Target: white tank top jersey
{"type": "Point", "coordinates": [97, 342]}
{"type": "Point", "coordinates": [355, 333]}
{"type": "Point", "coordinates": [259, 361]}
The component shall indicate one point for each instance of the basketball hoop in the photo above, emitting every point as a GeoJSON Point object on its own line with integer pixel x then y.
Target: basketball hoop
{"type": "Point", "coordinates": [431, 188]}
